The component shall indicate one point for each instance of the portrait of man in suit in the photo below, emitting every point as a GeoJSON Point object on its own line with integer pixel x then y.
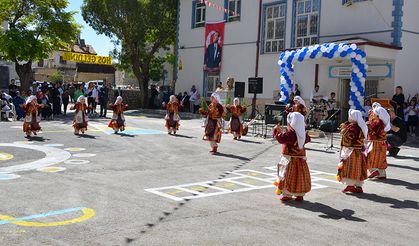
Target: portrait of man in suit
{"type": "Point", "coordinates": [212, 60]}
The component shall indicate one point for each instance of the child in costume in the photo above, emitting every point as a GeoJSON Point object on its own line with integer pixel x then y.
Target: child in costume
{"type": "Point", "coordinates": [172, 117]}
{"type": "Point", "coordinates": [236, 121]}
{"type": "Point", "coordinates": [117, 122]}
{"type": "Point", "coordinates": [352, 170]}
{"type": "Point", "coordinates": [32, 119]}
{"type": "Point", "coordinates": [80, 115]}
{"type": "Point", "coordinates": [214, 114]}
{"type": "Point", "coordinates": [378, 125]}
{"type": "Point", "coordinates": [293, 172]}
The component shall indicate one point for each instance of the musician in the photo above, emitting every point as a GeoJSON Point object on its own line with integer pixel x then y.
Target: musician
{"type": "Point", "coordinates": [399, 99]}
{"type": "Point", "coordinates": [331, 105]}
{"type": "Point", "coordinates": [296, 90]}
{"type": "Point", "coordinates": [316, 96]}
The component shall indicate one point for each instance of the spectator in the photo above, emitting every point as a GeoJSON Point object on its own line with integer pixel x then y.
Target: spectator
{"type": "Point", "coordinates": [66, 98]}
{"type": "Point", "coordinates": [367, 109]}
{"type": "Point", "coordinates": [399, 99]}
{"type": "Point", "coordinates": [17, 102]}
{"type": "Point", "coordinates": [179, 97]}
{"type": "Point", "coordinates": [56, 100]}
{"type": "Point", "coordinates": [412, 113]}
{"type": "Point", "coordinates": [153, 95]}
{"type": "Point", "coordinates": [5, 105]}
{"type": "Point", "coordinates": [103, 100]}
{"type": "Point", "coordinates": [194, 98]}
{"type": "Point", "coordinates": [91, 98]}
{"type": "Point", "coordinates": [71, 91]}
{"type": "Point", "coordinates": [13, 88]}
{"type": "Point", "coordinates": [43, 99]}
{"type": "Point", "coordinates": [78, 92]}
{"type": "Point", "coordinates": [186, 102]}
{"type": "Point", "coordinates": [296, 90]}
{"type": "Point", "coordinates": [397, 136]}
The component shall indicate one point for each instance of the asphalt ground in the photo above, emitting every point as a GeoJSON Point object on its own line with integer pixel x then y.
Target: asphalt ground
{"type": "Point", "coordinates": [145, 187]}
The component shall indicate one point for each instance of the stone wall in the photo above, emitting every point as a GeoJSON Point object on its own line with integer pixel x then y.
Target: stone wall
{"type": "Point", "coordinates": [131, 97]}
{"type": "Point", "coordinates": [109, 78]}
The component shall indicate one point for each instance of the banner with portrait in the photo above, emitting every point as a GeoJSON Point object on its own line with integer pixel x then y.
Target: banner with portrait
{"type": "Point", "coordinates": [214, 40]}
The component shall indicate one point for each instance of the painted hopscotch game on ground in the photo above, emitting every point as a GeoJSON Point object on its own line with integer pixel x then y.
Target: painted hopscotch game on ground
{"type": "Point", "coordinates": [243, 180]}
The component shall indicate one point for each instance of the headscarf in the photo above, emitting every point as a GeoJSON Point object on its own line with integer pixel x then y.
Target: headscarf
{"type": "Point", "coordinates": [376, 104]}
{"type": "Point", "coordinates": [356, 115]}
{"type": "Point", "coordinates": [296, 121]}
{"type": "Point", "coordinates": [382, 115]}
{"type": "Point", "coordinates": [81, 98]}
{"type": "Point", "coordinates": [30, 99]}
{"type": "Point", "coordinates": [118, 100]}
{"type": "Point", "coordinates": [217, 97]}
{"type": "Point", "coordinates": [300, 100]}
{"type": "Point", "coordinates": [236, 99]}
{"type": "Point", "coordinates": [173, 98]}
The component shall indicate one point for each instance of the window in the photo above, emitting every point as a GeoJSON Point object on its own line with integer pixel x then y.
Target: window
{"type": "Point", "coordinates": [62, 61]}
{"type": "Point", "coordinates": [350, 2]}
{"type": "Point", "coordinates": [212, 81]}
{"type": "Point", "coordinates": [198, 14]}
{"type": "Point", "coordinates": [234, 7]}
{"type": "Point", "coordinates": [307, 22]}
{"type": "Point", "coordinates": [41, 63]}
{"type": "Point", "coordinates": [274, 28]}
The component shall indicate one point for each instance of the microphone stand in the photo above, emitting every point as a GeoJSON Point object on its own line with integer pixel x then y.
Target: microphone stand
{"type": "Point", "coordinates": [331, 147]}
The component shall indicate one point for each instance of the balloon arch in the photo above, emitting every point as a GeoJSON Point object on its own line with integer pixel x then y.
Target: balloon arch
{"type": "Point", "coordinates": [331, 51]}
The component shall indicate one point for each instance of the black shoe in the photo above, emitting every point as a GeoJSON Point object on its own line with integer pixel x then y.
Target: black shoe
{"type": "Point", "coordinates": [393, 151]}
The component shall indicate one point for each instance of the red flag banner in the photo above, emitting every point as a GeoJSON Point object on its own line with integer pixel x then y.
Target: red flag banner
{"type": "Point", "coordinates": [214, 40]}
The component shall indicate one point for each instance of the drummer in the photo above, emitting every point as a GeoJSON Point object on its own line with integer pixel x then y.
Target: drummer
{"type": "Point", "coordinates": [316, 96]}
{"type": "Point", "coordinates": [331, 105]}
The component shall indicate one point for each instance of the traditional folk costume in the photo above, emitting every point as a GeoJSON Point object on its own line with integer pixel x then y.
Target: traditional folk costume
{"type": "Point", "coordinates": [352, 170]}
{"type": "Point", "coordinates": [378, 125]}
{"type": "Point", "coordinates": [299, 106]}
{"type": "Point", "coordinates": [80, 115]}
{"type": "Point", "coordinates": [236, 120]}
{"type": "Point", "coordinates": [214, 115]}
{"type": "Point", "coordinates": [117, 122]}
{"type": "Point", "coordinates": [293, 172]}
{"type": "Point", "coordinates": [32, 119]}
{"type": "Point", "coordinates": [172, 117]}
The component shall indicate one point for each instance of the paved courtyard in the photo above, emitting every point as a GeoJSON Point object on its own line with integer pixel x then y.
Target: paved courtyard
{"type": "Point", "coordinates": [145, 187]}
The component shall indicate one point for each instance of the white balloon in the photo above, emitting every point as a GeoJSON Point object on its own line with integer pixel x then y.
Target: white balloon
{"type": "Point", "coordinates": [354, 89]}
{"type": "Point", "coordinates": [353, 107]}
{"type": "Point", "coordinates": [362, 80]}
{"type": "Point", "coordinates": [340, 50]}
{"type": "Point", "coordinates": [352, 55]}
{"type": "Point", "coordinates": [364, 60]}
{"type": "Point", "coordinates": [359, 74]}
{"type": "Point", "coordinates": [366, 66]}
{"type": "Point", "coordinates": [323, 49]}
{"type": "Point", "coordinates": [358, 94]}
{"type": "Point", "coordinates": [358, 57]}
{"type": "Point", "coordinates": [355, 70]}
{"type": "Point", "coordinates": [345, 47]}
{"type": "Point", "coordinates": [351, 103]}
{"type": "Point", "coordinates": [353, 46]}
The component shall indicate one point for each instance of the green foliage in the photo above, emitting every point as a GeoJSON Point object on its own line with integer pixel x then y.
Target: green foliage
{"type": "Point", "coordinates": [57, 77]}
{"type": "Point", "coordinates": [228, 114]}
{"type": "Point", "coordinates": [35, 29]}
{"type": "Point", "coordinates": [204, 104]}
{"type": "Point", "coordinates": [143, 30]}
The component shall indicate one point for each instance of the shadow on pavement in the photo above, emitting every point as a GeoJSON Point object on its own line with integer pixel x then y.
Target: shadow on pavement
{"type": "Point", "coordinates": [125, 135]}
{"type": "Point", "coordinates": [232, 156]}
{"type": "Point", "coordinates": [398, 182]}
{"type": "Point", "coordinates": [86, 136]}
{"type": "Point", "coordinates": [326, 211]}
{"type": "Point", "coordinates": [321, 150]}
{"type": "Point", "coordinates": [401, 157]}
{"type": "Point", "coordinates": [387, 200]}
{"type": "Point", "coordinates": [37, 139]}
{"type": "Point", "coordinates": [404, 167]}
{"type": "Point", "coordinates": [249, 141]}
{"type": "Point", "coordinates": [182, 136]}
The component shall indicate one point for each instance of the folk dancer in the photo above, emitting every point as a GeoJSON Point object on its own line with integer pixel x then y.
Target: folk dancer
{"type": "Point", "coordinates": [117, 122]}
{"type": "Point", "coordinates": [80, 115]}
{"type": "Point", "coordinates": [172, 117]}
{"type": "Point", "coordinates": [214, 115]}
{"type": "Point", "coordinates": [378, 125]}
{"type": "Point", "coordinates": [352, 169]}
{"type": "Point", "coordinates": [298, 106]}
{"type": "Point", "coordinates": [236, 120]}
{"type": "Point", "coordinates": [293, 172]}
{"type": "Point", "coordinates": [32, 119]}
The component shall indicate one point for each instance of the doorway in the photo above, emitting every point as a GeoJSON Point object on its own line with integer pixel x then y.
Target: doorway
{"type": "Point", "coordinates": [343, 98]}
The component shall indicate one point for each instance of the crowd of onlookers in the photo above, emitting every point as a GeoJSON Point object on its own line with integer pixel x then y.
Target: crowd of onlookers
{"type": "Point", "coordinates": [55, 97]}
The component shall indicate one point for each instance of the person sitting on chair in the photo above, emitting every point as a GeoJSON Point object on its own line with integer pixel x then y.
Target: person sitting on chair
{"type": "Point", "coordinates": [397, 136]}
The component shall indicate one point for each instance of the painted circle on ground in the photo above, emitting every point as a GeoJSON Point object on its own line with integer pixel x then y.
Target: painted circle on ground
{"type": "Point", "coordinates": [16, 127]}
{"type": "Point", "coordinates": [84, 155]}
{"type": "Point", "coordinates": [53, 145]}
{"type": "Point", "coordinates": [75, 149]}
{"type": "Point", "coordinates": [76, 162]}
{"type": "Point", "coordinates": [51, 169]}
{"type": "Point", "coordinates": [23, 142]}
{"type": "Point", "coordinates": [5, 156]}
{"type": "Point", "coordinates": [5, 176]}
{"type": "Point", "coordinates": [52, 157]}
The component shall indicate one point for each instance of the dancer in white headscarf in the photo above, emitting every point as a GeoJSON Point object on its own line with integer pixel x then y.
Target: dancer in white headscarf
{"type": "Point", "coordinates": [298, 106]}
{"type": "Point", "coordinates": [293, 172]}
{"type": "Point", "coordinates": [236, 120]}
{"type": "Point", "coordinates": [172, 117]}
{"type": "Point", "coordinates": [80, 116]}
{"type": "Point", "coordinates": [117, 122]}
{"type": "Point", "coordinates": [378, 126]}
{"type": "Point", "coordinates": [214, 114]}
{"type": "Point", "coordinates": [32, 119]}
{"type": "Point", "coordinates": [352, 170]}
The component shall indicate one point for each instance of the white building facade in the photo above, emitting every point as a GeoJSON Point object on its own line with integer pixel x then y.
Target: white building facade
{"type": "Point", "coordinates": [387, 30]}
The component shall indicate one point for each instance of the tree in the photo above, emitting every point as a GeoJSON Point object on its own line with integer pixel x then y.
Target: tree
{"type": "Point", "coordinates": [35, 29]}
{"type": "Point", "coordinates": [142, 28]}
{"type": "Point", "coordinates": [57, 77]}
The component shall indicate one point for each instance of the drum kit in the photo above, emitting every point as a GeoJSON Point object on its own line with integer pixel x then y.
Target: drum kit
{"type": "Point", "coordinates": [320, 118]}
